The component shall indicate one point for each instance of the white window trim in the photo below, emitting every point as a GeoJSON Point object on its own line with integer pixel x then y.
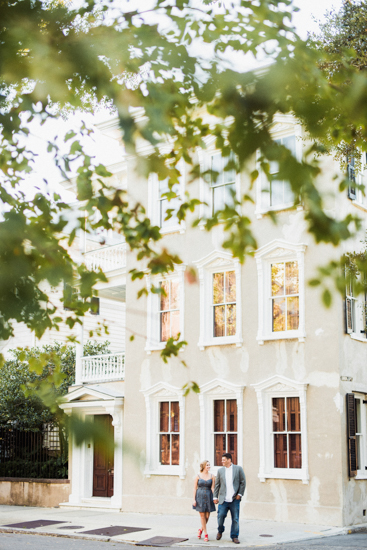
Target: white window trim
{"type": "Point", "coordinates": [357, 317]}
{"type": "Point", "coordinates": [279, 386]}
{"type": "Point", "coordinates": [206, 206]}
{"type": "Point", "coordinates": [209, 392]}
{"type": "Point", "coordinates": [273, 252]}
{"type": "Point", "coordinates": [153, 396]}
{"type": "Point", "coordinates": [217, 262]}
{"type": "Point", "coordinates": [285, 126]}
{"type": "Point", "coordinates": [361, 180]}
{"type": "Point", "coordinates": [362, 474]}
{"type": "Point", "coordinates": [153, 201]}
{"type": "Point", "coordinates": [153, 318]}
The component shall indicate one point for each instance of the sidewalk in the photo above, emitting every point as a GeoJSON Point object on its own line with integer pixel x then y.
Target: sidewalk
{"type": "Point", "coordinates": [80, 520]}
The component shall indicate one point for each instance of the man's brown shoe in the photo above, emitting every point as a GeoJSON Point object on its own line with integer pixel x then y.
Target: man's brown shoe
{"type": "Point", "coordinates": [219, 536]}
{"type": "Point", "coordinates": [236, 541]}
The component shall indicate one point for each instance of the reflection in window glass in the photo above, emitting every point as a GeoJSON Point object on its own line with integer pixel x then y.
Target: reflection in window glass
{"type": "Point", "coordinates": [285, 296]}
{"type": "Point", "coordinates": [224, 304]}
{"type": "Point", "coordinates": [169, 312]}
{"type": "Point", "coordinates": [169, 437]}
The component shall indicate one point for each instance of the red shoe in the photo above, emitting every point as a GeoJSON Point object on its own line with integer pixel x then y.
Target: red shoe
{"type": "Point", "coordinates": [206, 538]}
{"type": "Point", "coordinates": [199, 533]}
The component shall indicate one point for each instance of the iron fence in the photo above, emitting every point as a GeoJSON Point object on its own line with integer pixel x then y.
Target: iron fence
{"type": "Point", "coordinates": [33, 454]}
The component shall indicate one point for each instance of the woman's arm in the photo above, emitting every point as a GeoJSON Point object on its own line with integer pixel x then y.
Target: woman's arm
{"type": "Point", "coordinates": [195, 489]}
{"type": "Point", "coordinates": [213, 483]}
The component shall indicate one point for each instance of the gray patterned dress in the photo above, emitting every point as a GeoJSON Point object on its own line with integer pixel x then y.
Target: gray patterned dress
{"type": "Point", "coordinates": [204, 496]}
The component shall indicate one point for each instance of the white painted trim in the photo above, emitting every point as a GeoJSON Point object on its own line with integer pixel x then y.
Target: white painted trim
{"type": "Point", "coordinates": [218, 389]}
{"type": "Point", "coordinates": [279, 386]}
{"type": "Point", "coordinates": [277, 251]}
{"type": "Point", "coordinates": [153, 396]}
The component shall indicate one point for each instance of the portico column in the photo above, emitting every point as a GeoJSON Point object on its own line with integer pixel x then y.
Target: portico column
{"type": "Point", "coordinates": [79, 354]}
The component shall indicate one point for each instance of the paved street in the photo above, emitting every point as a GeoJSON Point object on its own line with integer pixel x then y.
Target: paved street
{"type": "Point", "coordinates": [15, 541]}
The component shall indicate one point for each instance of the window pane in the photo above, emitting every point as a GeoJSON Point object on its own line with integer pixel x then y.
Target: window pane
{"type": "Point", "coordinates": [230, 286]}
{"type": "Point", "coordinates": [175, 323]}
{"type": "Point", "coordinates": [229, 192]}
{"type": "Point", "coordinates": [175, 417]}
{"type": "Point", "coordinates": [219, 323]}
{"type": "Point", "coordinates": [291, 278]}
{"type": "Point", "coordinates": [217, 166]}
{"type": "Point", "coordinates": [294, 414]}
{"type": "Point", "coordinates": [175, 450]}
{"type": "Point", "coordinates": [218, 198]}
{"type": "Point", "coordinates": [164, 416]}
{"type": "Point", "coordinates": [280, 451]}
{"type": "Point", "coordinates": [293, 313]}
{"type": "Point", "coordinates": [219, 415]}
{"type": "Point", "coordinates": [219, 448]}
{"type": "Point", "coordinates": [218, 288]}
{"type": "Point", "coordinates": [358, 415]}
{"type": "Point", "coordinates": [295, 451]}
{"type": "Point", "coordinates": [290, 143]}
{"type": "Point", "coordinates": [276, 193]}
{"type": "Point", "coordinates": [164, 449]}
{"type": "Point", "coordinates": [174, 294]}
{"type": "Point", "coordinates": [279, 414]}
{"type": "Point", "coordinates": [288, 193]}
{"type": "Point", "coordinates": [277, 279]}
{"type": "Point", "coordinates": [278, 314]}
{"type": "Point", "coordinates": [231, 415]}
{"type": "Point", "coordinates": [165, 326]}
{"type": "Point", "coordinates": [163, 186]}
{"type": "Point", "coordinates": [165, 297]}
{"type": "Point", "coordinates": [232, 447]}
{"type": "Point", "coordinates": [231, 319]}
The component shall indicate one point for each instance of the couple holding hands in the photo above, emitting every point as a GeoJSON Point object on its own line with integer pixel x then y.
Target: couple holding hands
{"type": "Point", "coordinates": [228, 488]}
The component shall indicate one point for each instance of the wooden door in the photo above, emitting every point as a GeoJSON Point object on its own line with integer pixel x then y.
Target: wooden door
{"type": "Point", "coordinates": [103, 457]}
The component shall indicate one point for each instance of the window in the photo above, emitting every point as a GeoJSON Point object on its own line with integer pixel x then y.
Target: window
{"type": "Point", "coordinates": [281, 297]}
{"type": "Point", "coordinates": [357, 190]}
{"type": "Point", "coordinates": [225, 429]}
{"type": "Point", "coordinates": [280, 192]}
{"type": "Point", "coordinates": [283, 430]}
{"type": "Point", "coordinates": [221, 422]}
{"type": "Point", "coordinates": [222, 183]}
{"type": "Point", "coordinates": [224, 304]}
{"type": "Point", "coordinates": [355, 312]}
{"type": "Point", "coordinates": [169, 309]}
{"type": "Point", "coordinates": [162, 199]}
{"type": "Point", "coordinates": [165, 427]}
{"type": "Point", "coordinates": [285, 296]}
{"type": "Point", "coordinates": [357, 434]}
{"type": "Point", "coordinates": [351, 173]}
{"type": "Point", "coordinates": [165, 310]}
{"type": "Point", "coordinates": [169, 433]}
{"type": "Point", "coordinates": [220, 300]}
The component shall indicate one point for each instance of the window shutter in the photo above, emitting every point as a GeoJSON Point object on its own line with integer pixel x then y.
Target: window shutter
{"type": "Point", "coordinates": [348, 315]}
{"type": "Point", "coordinates": [351, 434]}
{"type": "Point", "coordinates": [94, 302]}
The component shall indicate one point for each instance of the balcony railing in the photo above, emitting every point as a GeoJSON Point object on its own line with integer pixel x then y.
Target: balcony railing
{"type": "Point", "coordinates": [100, 368]}
{"type": "Point", "coordinates": [108, 258]}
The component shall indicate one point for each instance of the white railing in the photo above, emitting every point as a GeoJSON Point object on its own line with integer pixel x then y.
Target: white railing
{"type": "Point", "coordinates": [107, 258]}
{"type": "Point", "coordinates": [100, 368]}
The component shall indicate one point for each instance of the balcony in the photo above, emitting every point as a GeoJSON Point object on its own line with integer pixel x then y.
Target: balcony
{"type": "Point", "coordinates": [102, 368]}
{"type": "Point", "coordinates": [108, 258]}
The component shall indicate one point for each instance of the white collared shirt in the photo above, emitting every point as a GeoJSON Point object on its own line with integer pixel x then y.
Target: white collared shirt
{"type": "Point", "coordinates": [229, 484]}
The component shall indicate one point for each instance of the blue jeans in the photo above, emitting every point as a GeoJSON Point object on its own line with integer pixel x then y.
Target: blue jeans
{"type": "Point", "coordinates": [234, 508]}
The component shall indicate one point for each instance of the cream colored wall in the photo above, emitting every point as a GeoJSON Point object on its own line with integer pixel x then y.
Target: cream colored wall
{"type": "Point", "coordinates": [329, 498]}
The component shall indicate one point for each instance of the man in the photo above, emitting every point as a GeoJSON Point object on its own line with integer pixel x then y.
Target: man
{"type": "Point", "coordinates": [230, 485]}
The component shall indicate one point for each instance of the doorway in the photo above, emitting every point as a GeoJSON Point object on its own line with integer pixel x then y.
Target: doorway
{"type": "Point", "coordinates": [103, 460]}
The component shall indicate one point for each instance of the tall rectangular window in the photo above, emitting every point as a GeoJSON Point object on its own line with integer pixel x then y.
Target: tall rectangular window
{"type": "Point", "coordinates": [223, 186]}
{"type": "Point", "coordinates": [280, 190]}
{"type": "Point", "coordinates": [287, 432]}
{"type": "Point", "coordinates": [285, 296]}
{"type": "Point", "coordinates": [169, 311]}
{"type": "Point", "coordinates": [167, 201]}
{"type": "Point", "coordinates": [224, 304]}
{"type": "Point", "coordinates": [225, 429]}
{"type": "Point", "coordinates": [169, 433]}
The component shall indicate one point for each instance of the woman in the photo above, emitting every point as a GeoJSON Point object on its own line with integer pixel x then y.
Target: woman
{"type": "Point", "coordinates": [203, 496]}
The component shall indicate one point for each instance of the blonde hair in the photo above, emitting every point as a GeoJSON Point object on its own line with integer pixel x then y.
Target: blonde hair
{"type": "Point", "coordinates": [203, 464]}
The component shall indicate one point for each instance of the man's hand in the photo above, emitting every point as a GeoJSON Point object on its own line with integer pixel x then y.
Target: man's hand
{"type": "Point", "coordinates": [215, 501]}
{"type": "Point", "coordinates": [238, 497]}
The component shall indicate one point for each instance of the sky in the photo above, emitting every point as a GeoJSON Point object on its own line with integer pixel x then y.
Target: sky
{"type": "Point", "coordinates": [106, 149]}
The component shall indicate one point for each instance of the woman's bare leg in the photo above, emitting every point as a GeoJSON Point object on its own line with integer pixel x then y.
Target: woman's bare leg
{"type": "Point", "coordinates": [203, 522]}
{"type": "Point", "coordinates": [207, 515]}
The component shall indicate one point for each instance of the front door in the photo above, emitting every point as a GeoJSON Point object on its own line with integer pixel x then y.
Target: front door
{"type": "Point", "coordinates": [103, 456]}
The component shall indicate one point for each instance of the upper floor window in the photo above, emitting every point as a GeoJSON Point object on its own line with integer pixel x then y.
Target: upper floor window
{"type": "Point", "coordinates": [357, 190]}
{"type": "Point", "coordinates": [223, 182]}
{"type": "Point", "coordinates": [355, 312]}
{"type": "Point", "coordinates": [280, 192]}
{"type": "Point", "coordinates": [169, 314]}
{"type": "Point", "coordinates": [220, 300]}
{"type": "Point", "coordinates": [281, 291]}
{"type": "Point", "coordinates": [169, 201]}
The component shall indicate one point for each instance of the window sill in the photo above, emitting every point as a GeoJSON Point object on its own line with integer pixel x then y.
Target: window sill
{"type": "Point", "coordinates": [166, 471]}
{"type": "Point", "coordinates": [221, 341]}
{"type": "Point", "coordinates": [174, 229]}
{"type": "Point", "coordinates": [291, 474]}
{"type": "Point", "coordinates": [283, 207]}
{"type": "Point", "coordinates": [361, 476]}
{"type": "Point", "coordinates": [359, 205]}
{"type": "Point", "coordinates": [156, 347]}
{"type": "Point", "coordinates": [289, 335]}
{"type": "Point", "coordinates": [358, 338]}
